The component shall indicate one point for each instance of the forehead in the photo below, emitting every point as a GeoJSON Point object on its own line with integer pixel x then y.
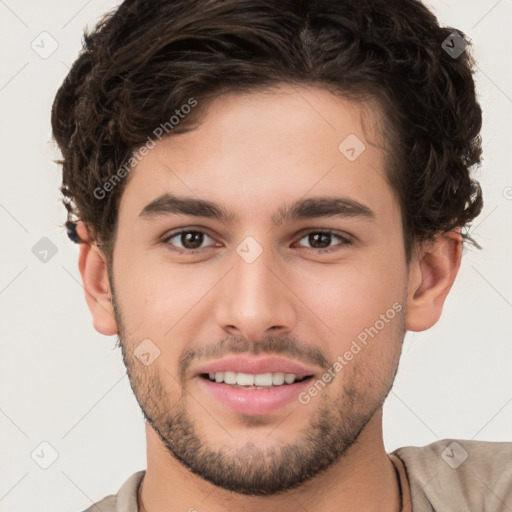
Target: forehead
{"type": "Point", "coordinates": [259, 151]}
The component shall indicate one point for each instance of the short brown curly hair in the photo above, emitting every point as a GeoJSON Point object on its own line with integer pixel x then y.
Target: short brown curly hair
{"type": "Point", "coordinates": [147, 58]}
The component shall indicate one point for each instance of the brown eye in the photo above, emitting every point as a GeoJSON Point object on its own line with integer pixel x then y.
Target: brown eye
{"type": "Point", "coordinates": [191, 239]}
{"type": "Point", "coordinates": [186, 241]}
{"type": "Point", "coordinates": [320, 241]}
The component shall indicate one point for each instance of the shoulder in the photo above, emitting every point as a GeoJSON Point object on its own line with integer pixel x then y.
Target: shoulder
{"type": "Point", "coordinates": [458, 474]}
{"type": "Point", "coordinates": [107, 504]}
{"type": "Point", "coordinates": [124, 501]}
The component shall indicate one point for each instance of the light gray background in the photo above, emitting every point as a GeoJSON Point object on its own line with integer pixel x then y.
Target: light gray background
{"type": "Point", "coordinates": [65, 384]}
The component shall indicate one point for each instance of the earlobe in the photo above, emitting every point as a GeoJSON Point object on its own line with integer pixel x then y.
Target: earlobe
{"type": "Point", "coordinates": [93, 270]}
{"type": "Point", "coordinates": [432, 274]}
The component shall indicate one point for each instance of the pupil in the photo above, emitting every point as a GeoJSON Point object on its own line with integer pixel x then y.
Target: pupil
{"type": "Point", "coordinates": [187, 239]}
{"type": "Point", "coordinates": [314, 239]}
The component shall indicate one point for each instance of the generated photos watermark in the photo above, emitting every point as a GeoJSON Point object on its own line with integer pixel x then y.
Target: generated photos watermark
{"type": "Point", "coordinates": [159, 133]}
{"type": "Point", "coordinates": [354, 349]}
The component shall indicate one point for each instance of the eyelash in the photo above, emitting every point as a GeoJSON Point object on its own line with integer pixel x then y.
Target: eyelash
{"type": "Point", "coordinates": [345, 240]}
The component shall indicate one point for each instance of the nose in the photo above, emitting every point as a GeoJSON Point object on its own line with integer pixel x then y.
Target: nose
{"type": "Point", "coordinates": [255, 299]}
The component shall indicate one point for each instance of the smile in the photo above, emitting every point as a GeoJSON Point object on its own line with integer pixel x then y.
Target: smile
{"type": "Point", "coordinates": [250, 381]}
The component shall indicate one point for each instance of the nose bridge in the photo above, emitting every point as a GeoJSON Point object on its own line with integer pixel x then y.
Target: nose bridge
{"type": "Point", "coordinates": [253, 299]}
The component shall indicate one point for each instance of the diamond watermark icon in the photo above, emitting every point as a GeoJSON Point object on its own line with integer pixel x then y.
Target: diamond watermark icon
{"type": "Point", "coordinates": [44, 455]}
{"type": "Point", "coordinates": [351, 147]}
{"type": "Point", "coordinates": [249, 249]}
{"type": "Point", "coordinates": [454, 45]}
{"type": "Point", "coordinates": [454, 455]}
{"type": "Point", "coordinates": [44, 250]}
{"type": "Point", "coordinates": [146, 352]}
{"type": "Point", "coordinates": [44, 45]}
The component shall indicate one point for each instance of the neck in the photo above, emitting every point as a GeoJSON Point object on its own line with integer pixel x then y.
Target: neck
{"type": "Point", "coordinates": [363, 479]}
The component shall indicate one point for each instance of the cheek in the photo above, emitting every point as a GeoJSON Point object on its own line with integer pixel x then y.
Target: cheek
{"type": "Point", "coordinates": [157, 293]}
{"type": "Point", "coordinates": [352, 296]}
{"type": "Point", "coordinates": [161, 302]}
{"type": "Point", "coordinates": [363, 304]}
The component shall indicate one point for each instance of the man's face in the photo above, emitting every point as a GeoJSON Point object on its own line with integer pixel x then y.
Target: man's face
{"type": "Point", "coordinates": [259, 288]}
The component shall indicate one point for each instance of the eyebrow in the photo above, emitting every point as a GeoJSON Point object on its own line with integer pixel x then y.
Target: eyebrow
{"type": "Point", "coordinates": [169, 204]}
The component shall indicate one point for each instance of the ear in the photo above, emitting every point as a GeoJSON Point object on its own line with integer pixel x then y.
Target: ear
{"type": "Point", "coordinates": [431, 275]}
{"type": "Point", "coordinates": [93, 269]}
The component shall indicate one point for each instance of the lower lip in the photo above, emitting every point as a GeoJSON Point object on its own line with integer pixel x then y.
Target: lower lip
{"type": "Point", "coordinates": [255, 401]}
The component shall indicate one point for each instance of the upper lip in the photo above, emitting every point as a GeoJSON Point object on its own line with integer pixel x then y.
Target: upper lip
{"type": "Point", "coordinates": [255, 366]}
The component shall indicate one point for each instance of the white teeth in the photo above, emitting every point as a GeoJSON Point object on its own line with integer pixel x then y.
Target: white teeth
{"type": "Point", "coordinates": [230, 377]}
{"type": "Point", "coordinates": [263, 379]}
{"type": "Point", "coordinates": [289, 378]}
{"type": "Point", "coordinates": [248, 379]}
{"type": "Point", "coordinates": [245, 379]}
{"type": "Point", "coordinates": [277, 379]}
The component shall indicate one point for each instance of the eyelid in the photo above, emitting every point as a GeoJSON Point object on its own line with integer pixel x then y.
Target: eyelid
{"type": "Point", "coordinates": [342, 234]}
{"type": "Point", "coordinates": [346, 238]}
{"type": "Point", "coordinates": [171, 234]}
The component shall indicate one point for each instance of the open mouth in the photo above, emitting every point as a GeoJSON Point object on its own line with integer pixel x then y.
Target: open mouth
{"type": "Point", "coordinates": [254, 386]}
{"type": "Point", "coordinates": [251, 381]}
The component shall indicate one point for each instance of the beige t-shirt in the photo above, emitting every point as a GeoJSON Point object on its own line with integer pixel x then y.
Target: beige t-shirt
{"type": "Point", "coordinates": [450, 475]}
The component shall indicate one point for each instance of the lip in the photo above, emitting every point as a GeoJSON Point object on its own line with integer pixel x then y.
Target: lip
{"type": "Point", "coordinates": [255, 366]}
{"type": "Point", "coordinates": [254, 401]}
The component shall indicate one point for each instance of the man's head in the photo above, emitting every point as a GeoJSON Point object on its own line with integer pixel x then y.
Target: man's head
{"type": "Point", "coordinates": [319, 155]}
